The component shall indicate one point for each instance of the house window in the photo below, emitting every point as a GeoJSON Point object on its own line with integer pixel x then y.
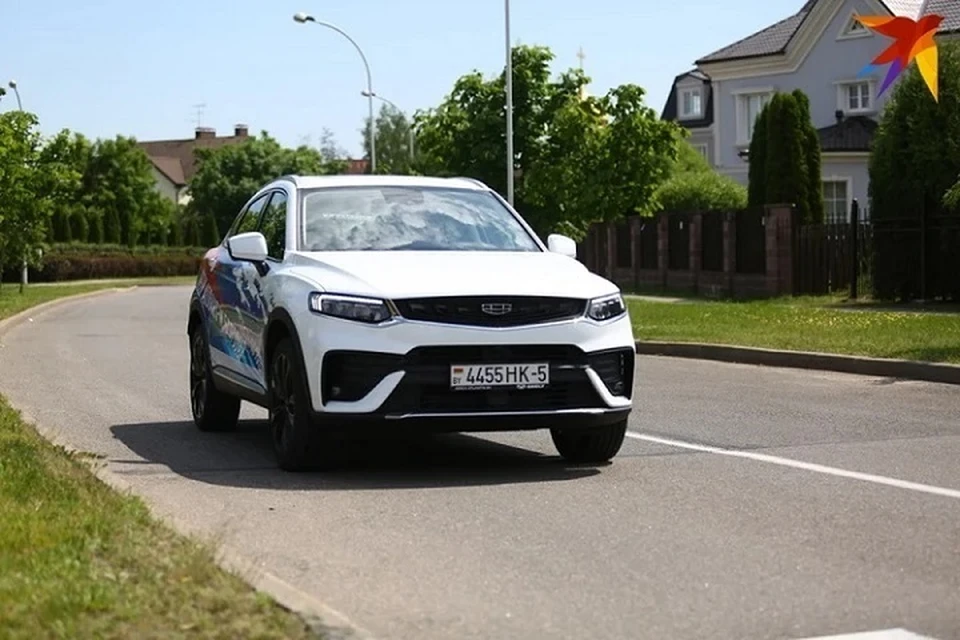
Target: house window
{"type": "Point", "coordinates": [835, 209]}
{"type": "Point", "coordinates": [853, 28]}
{"type": "Point", "coordinates": [749, 106]}
{"type": "Point", "coordinates": [691, 103]}
{"type": "Point", "coordinates": [855, 97]}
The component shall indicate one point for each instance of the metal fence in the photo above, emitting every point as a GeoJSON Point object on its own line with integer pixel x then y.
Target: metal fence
{"type": "Point", "coordinates": [751, 242]}
{"type": "Point", "coordinates": [711, 241]}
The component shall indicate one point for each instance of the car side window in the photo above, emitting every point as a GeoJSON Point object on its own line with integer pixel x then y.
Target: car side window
{"type": "Point", "coordinates": [249, 220]}
{"type": "Point", "coordinates": [273, 225]}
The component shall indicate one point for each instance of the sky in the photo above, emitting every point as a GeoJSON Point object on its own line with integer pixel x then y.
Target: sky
{"type": "Point", "coordinates": [108, 67]}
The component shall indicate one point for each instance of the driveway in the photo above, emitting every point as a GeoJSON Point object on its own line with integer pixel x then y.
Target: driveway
{"type": "Point", "coordinates": [746, 503]}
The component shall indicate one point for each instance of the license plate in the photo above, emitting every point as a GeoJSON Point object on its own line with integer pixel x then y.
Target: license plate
{"type": "Point", "coordinates": [487, 376]}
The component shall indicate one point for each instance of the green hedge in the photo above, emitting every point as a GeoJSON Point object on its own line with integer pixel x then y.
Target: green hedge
{"type": "Point", "coordinates": [91, 262]}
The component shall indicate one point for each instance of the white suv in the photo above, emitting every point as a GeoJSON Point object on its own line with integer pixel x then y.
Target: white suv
{"type": "Point", "coordinates": [342, 303]}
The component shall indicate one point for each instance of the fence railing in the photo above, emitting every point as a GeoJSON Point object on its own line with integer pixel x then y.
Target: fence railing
{"type": "Point", "coordinates": [751, 241]}
{"type": "Point", "coordinates": [768, 252]}
{"type": "Point", "coordinates": [711, 243]}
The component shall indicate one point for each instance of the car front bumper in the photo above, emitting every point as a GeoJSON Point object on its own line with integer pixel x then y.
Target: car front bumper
{"type": "Point", "coordinates": [399, 374]}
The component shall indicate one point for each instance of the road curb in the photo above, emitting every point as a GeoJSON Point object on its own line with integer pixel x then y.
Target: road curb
{"type": "Point", "coordinates": [324, 620]}
{"type": "Point", "coordinates": [881, 367]}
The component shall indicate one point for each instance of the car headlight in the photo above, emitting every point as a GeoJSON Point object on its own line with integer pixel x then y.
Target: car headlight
{"type": "Point", "coordinates": [606, 308]}
{"type": "Point", "coordinates": [369, 310]}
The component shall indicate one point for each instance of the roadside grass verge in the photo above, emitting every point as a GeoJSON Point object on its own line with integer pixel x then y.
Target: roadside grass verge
{"type": "Point", "coordinates": [13, 302]}
{"type": "Point", "coordinates": [821, 324]}
{"type": "Point", "coordinates": [79, 559]}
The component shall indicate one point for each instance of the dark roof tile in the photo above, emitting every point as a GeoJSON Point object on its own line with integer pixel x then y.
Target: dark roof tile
{"type": "Point", "coordinates": [853, 133]}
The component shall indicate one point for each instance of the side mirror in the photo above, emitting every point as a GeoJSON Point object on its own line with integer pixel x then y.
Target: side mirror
{"type": "Point", "coordinates": [251, 247]}
{"type": "Point", "coordinates": [562, 245]}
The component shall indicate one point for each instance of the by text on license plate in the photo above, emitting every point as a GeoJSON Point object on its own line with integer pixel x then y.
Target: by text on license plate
{"type": "Point", "coordinates": [486, 376]}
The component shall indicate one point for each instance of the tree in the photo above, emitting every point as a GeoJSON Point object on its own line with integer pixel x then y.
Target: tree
{"type": "Point", "coordinates": [637, 151]}
{"type": "Point", "coordinates": [330, 150]}
{"type": "Point", "coordinates": [393, 141]}
{"type": "Point", "coordinates": [786, 166]}
{"type": "Point", "coordinates": [811, 152]}
{"type": "Point", "coordinates": [785, 157]}
{"type": "Point", "coordinates": [79, 227]}
{"type": "Point", "coordinates": [228, 176]}
{"type": "Point", "coordinates": [111, 227]}
{"type": "Point", "coordinates": [210, 235]}
{"type": "Point", "coordinates": [577, 159]}
{"type": "Point", "coordinates": [757, 158]}
{"type": "Point", "coordinates": [119, 185]}
{"type": "Point", "coordinates": [29, 185]}
{"type": "Point", "coordinates": [72, 150]}
{"type": "Point", "coordinates": [914, 169]}
{"type": "Point", "coordinates": [916, 151]}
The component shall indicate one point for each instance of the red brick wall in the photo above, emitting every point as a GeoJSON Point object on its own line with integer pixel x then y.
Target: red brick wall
{"type": "Point", "coordinates": [599, 254]}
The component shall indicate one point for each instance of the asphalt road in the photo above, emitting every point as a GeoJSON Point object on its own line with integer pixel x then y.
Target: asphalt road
{"type": "Point", "coordinates": [735, 509]}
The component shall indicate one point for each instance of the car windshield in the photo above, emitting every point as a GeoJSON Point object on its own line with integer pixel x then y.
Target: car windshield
{"type": "Point", "coordinates": [392, 218]}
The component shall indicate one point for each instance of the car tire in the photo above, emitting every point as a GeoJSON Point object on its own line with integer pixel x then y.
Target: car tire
{"type": "Point", "coordinates": [213, 410]}
{"type": "Point", "coordinates": [298, 443]}
{"type": "Point", "coordinates": [592, 445]}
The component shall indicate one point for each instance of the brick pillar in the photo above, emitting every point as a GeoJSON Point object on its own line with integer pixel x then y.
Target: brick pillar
{"type": "Point", "coordinates": [729, 250]}
{"type": "Point", "coordinates": [663, 228]}
{"type": "Point", "coordinates": [779, 235]}
{"type": "Point", "coordinates": [696, 242]}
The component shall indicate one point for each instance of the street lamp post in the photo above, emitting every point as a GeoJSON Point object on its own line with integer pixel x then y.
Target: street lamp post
{"type": "Point", "coordinates": [24, 272]}
{"type": "Point", "coordinates": [16, 92]}
{"type": "Point", "coordinates": [367, 94]}
{"type": "Point", "coordinates": [303, 18]}
{"type": "Point", "coordinates": [509, 83]}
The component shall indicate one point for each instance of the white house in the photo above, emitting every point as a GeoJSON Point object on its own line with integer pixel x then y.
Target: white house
{"type": "Point", "coordinates": [819, 50]}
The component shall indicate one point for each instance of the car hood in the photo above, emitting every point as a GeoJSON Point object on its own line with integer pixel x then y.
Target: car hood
{"type": "Point", "coordinates": [403, 274]}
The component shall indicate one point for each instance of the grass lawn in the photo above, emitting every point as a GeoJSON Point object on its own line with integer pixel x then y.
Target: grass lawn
{"type": "Point", "coordinates": [802, 324]}
{"type": "Point", "coordinates": [80, 560]}
{"type": "Point", "coordinates": [12, 301]}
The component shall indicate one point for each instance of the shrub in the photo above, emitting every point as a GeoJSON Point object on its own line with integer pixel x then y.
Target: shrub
{"type": "Point", "coordinates": [701, 191]}
{"type": "Point", "coordinates": [76, 261]}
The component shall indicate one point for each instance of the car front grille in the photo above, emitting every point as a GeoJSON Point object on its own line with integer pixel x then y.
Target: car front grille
{"type": "Point", "coordinates": [426, 386]}
{"type": "Point", "coordinates": [491, 311]}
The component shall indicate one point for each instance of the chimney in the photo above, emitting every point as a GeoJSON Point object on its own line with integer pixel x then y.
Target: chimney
{"type": "Point", "coordinates": [240, 130]}
{"type": "Point", "coordinates": [204, 133]}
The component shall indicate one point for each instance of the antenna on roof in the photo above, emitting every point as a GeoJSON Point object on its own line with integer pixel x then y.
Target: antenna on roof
{"type": "Point", "coordinates": [200, 109]}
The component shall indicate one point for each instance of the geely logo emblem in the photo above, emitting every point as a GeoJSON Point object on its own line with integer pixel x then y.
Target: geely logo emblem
{"type": "Point", "coordinates": [496, 308]}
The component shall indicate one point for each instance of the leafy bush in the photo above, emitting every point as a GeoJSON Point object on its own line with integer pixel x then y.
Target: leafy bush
{"type": "Point", "coordinates": [111, 249]}
{"type": "Point", "coordinates": [688, 159]}
{"type": "Point", "coordinates": [75, 261]}
{"type": "Point", "coordinates": [701, 191]}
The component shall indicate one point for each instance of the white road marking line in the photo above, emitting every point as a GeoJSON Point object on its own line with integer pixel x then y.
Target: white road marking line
{"type": "Point", "coordinates": [798, 464]}
{"type": "Point", "coordinates": [886, 634]}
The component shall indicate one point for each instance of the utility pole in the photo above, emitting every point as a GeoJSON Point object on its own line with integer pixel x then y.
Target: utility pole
{"type": "Point", "coordinates": [509, 83]}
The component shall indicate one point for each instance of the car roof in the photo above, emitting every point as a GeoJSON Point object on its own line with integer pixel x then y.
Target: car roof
{"type": "Point", "coordinates": [319, 182]}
